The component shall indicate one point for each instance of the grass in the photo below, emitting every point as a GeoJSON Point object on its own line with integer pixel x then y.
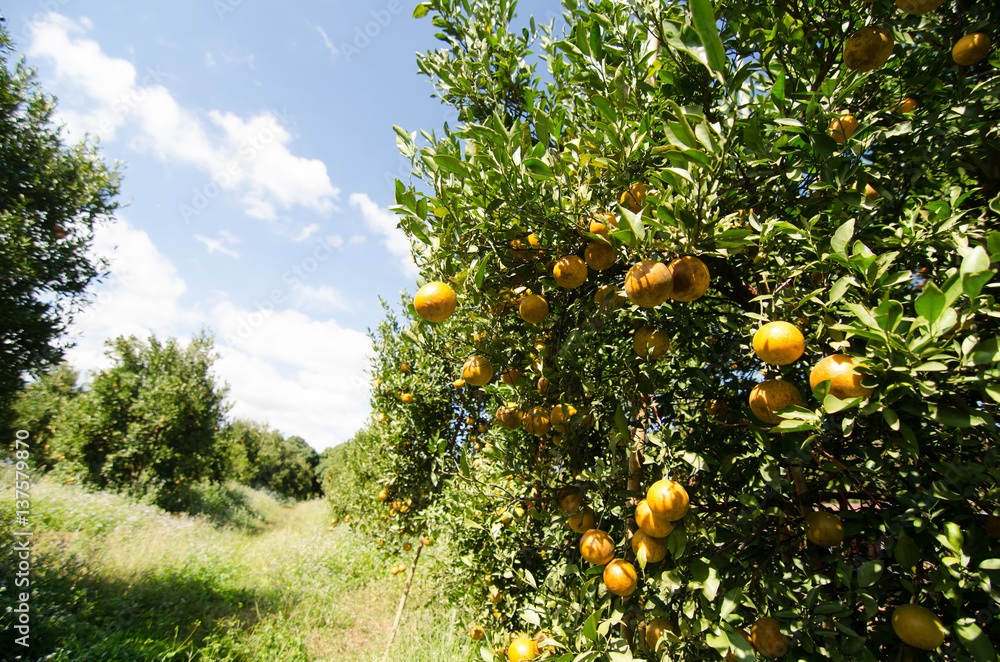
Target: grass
{"type": "Point", "coordinates": [114, 580]}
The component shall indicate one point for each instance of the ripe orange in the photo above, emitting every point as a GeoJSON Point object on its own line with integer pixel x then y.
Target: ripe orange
{"type": "Point", "coordinates": [561, 416]}
{"type": "Point", "coordinates": [655, 526]}
{"type": "Point", "coordinates": [509, 416]}
{"type": "Point", "coordinates": [600, 255]}
{"type": "Point", "coordinates": [842, 128]}
{"type": "Point", "coordinates": [435, 302]}
{"type": "Point", "coordinates": [545, 386]}
{"type": "Point", "coordinates": [767, 639]}
{"type": "Point", "coordinates": [667, 499]}
{"type": "Point", "coordinates": [406, 398]}
{"type": "Point", "coordinates": [603, 223]}
{"type": "Point", "coordinates": [650, 343]}
{"type": "Point", "coordinates": [522, 649]}
{"type": "Point", "coordinates": [907, 105]}
{"type": "Point", "coordinates": [656, 548]}
{"type": "Point", "coordinates": [511, 376]}
{"type": "Point", "coordinates": [778, 343]}
{"type": "Point", "coordinates": [918, 626]}
{"type": "Point", "coordinates": [970, 49]}
{"type": "Point", "coordinates": [536, 421]}
{"type": "Point", "coordinates": [868, 48]}
{"type": "Point", "coordinates": [476, 633]}
{"type": "Point", "coordinates": [533, 309]}
{"type": "Point", "coordinates": [583, 521]}
{"type": "Point", "coordinates": [770, 396]}
{"type": "Point", "coordinates": [690, 278]}
{"type": "Point", "coordinates": [458, 383]}
{"type": "Point", "coordinates": [570, 271]}
{"type": "Point", "coordinates": [620, 577]}
{"type": "Point", "coordinates": [478, 370]}
{"type": "Point", "coordinates": [918, 7]}
{"type": "Point", "coordinates": [648, 283]}
{"type": "Point", "coordinates": [824, 529]}
{"type": "Point", "coordinates": [570, 499]}
{"type": "Point", "coordinates": [844, 382]}
{"type": "Point", "coordinates": [609, 298]}
{"type": "Point", "coordinates": [655, 629]}
{"type": "Point", "coordinates": [597, 547]}
{"type": "Point", "coordinates": [634, 198]}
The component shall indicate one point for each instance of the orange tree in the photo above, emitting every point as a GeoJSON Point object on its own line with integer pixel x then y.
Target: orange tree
{"type": "Point", "coordinates": [715, 167]}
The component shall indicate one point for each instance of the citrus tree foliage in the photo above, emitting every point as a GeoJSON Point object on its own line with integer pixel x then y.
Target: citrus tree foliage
{"type": "Point", "coordinates": [46, 409]}
{"type": "Point", "coordinates": [258, 456]}
{"type": "Point", "coordinates": [876, 237]}
{"type": "Point", "coordinates": [51, 198]}
{"type": "Point", "coordinates": [148, 423]}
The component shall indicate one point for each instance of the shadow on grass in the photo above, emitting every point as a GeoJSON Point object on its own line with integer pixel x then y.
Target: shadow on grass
{"type": "Point", "coordinates": [79, 616]}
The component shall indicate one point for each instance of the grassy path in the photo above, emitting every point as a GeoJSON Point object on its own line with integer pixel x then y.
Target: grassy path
{"type": "Point", "coordinates": [115, 580]}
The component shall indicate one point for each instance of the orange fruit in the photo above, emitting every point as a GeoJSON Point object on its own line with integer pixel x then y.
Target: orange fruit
{"type": "Point", "coordinates": [824, 529]}
{"type": "Point", "coordinates": [648, 283]}
{"type": "Point", "coordinates": [767, 639]}
{"type": "Point", "coordinates": [545, 386]}
{"type": "Point", "coordinates": [533, 309]}
{"type": "Point", "coordinates": [918, 7]}
{"type": "Point", "coordinates": [458, 383]}
{"type": "Point", "coordinates": [778, 343]}
{"type": "Point", "coordinates": [868, 48]}
{"type": "Point", "coordinates": [570, 499]}
{"type": "Point", "coordinates": [509, 416]}
{"type": "Point", "coordinates": [842, 128]}
{"type": "Point", "coordinates": [667, 499]}
{"type": "Point", "coordinates": [609, 298]}
{"type": "Point", "coordinates": [406, 398]}
{"type": "Point", "coordinates": [476, 633]}
{"type": "Point", "coordinates": [656, 548]}
{"type": "Point", "coordinates": [634, 198]}
{"type": "Point", "coordinates": [477, 370]}
{"type": "Point", "coordinates": [560, 417]}
{"type": "Point", "coordinates": [970, 49]}
{"type": "Point", "coordinates": [597, 547]}
{"type": "Point", "coordinates": [844, 381]}
{"type": "Point", "coordinates": [536, 421]}
{"type": "Point", "coordinates": [570, 271]}
{"type": "Point", "coordinates": [690, 278]}
{"type": "Point", "coordinates": [522, 649]}
{"type": "Point", "coordinates": [907, 105]}
{"type": "Point", "coordinates": [583, 521]}
{"type": "Point", "coordinates": [600, 255]}
{"type": "Point", "coordinates": [918, 626]}
{"type": "Point", "coordinates": [650, 343]}
{"type": "Point", "coordinates": [655, 526]}
{"type": "Point", "coordinates": [655, 629]}
{"type": "Point", "coordinates": [771, 395]}
{"type": "Point", "coordinates": [511, 376]}
{"type": "Point", "coordinates": [435, 302]}
{"type": "Point", "coordinates": [603, 224]}
{"type": "Point", "coordinates": [620, 577]}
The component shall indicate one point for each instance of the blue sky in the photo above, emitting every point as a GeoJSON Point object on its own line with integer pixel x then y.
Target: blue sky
{"type": "Point", "coordinates": [259, 158]}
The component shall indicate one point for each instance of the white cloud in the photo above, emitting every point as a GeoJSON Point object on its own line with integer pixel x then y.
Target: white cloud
{"type": "Point", "coordinates": [334, 51]}
{"type": "Point", "coordinates": [102, 94]}
{"type": "Point", "coordinates": [220, 245]}
{"type": "Point", "coordinates": [383, 222]}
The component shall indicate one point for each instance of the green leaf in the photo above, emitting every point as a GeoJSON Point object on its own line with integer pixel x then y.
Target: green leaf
{"type": "Point", "coordinates": [906, 552]}
{"type": "Point", "coordinates": [976, 262]}
{"type": "Point", "coordinates": [538, 168]}
{"type": "Point", "coordinates": [842, 237]}
{"type": "Point", "coordinates": [953, 538]}
{"type": "Point", "coordinates": [839, 288]}
{"type": "Point", "coordinates": [987, 352]}
{"type": "Point", "coordinates": [451, 164]}
{"type": "Point", "coordinates": [590, 626]}
{"type": "Point", "coordinates": [606, 108]}
{"type": "Point", "coordinates": [706, 27]}
{"type": "Point", "coordinates": [421, 10]}
{"type": "Point", "coordinates": [931, 303]}
{"type": "Point", "coordinates": [977, 643]}
{"type": "Point", "coordinates": [869, 573]}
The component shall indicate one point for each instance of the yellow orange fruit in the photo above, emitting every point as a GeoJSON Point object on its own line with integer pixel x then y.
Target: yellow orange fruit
{"type": "Point", "coordinates": [533, 309]}
{"type": "Point", "coordinates": [561, 416]}
{"type": "Point", "coordinates": [477, 370]}
{"type": "Point", "coordinates": [690, 278]}
{"type": "Point", "coordinates": [536, 421]}
{"type": "Point", "coordinates": [667, 499]}
{"type": "Point", "coordinates": [906, 105]}
{"type": "Point", "coordinates": [842, 128]}
{"type": "Point", "coordinates": [655, 526]}
{"type": "Point", "coordinates": [603, 224]}
{"type": "Point", "coordinates": [522, 649]}
{"type": "Point", "coordinates": [634, 198]}
{"type": "Point", "coordinates": [824, 529]}
{"type": "Point", "coordinates": [868, 48]}
{"type": "Point", "coordinates": [779, 343]}
{"type": "Point", "coordinates": [570, 271]}
{"type": "Point", "coordinates": [609, 298]}
{"type": "Point", "coordinates": [435, 302]}
{"type": "Point", "coordinates": [655, 629]}
{"type": "Point", "coordinates": [476, 633]}
{"type": "Point", "coordinates": [620, 577]}
{"type": "Point", "coordinates": [406, 398]}
{"type": "Point", "coordinates": [583, 521]}
{"type": "Point", "coordinates": [648, 283]}
{"type": "Point", "coordinates": [509, 416]}
{"type": "Point", "coordinates": [600, 255]}
{"type": "Point", "coordinates": [844, 381]}
{"type": "Point", "coordinates": [570, 499]}
{"type": "Point", "coordinates": [597, 547]}
{"type": "Point", "coordinates": [970, 49]}
{"type": "Point", "coordinates": [656, 548]}
{"type": "Point", "coordinates": [511, 376]}
{"type": "Point", "coordinates": [650, 343]}
{"type": "Point", "coordinates": [918, 626]}
{"type": "Point", "coordinates": [771, 395]}
{"type": "Point", "coordinates": [767, 639]}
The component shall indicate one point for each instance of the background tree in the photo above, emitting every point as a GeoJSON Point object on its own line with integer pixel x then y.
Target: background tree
{"type": "Point", "coordinates": [149, 423]}
{"type": "Point", "coordinates": [52, 196]}
{"type": "Point", "coordinates": [46, 409]}
{"type": "Point", "coordinates": [816, 194]}
{"type": "Point", "coordinates": [261, 457]}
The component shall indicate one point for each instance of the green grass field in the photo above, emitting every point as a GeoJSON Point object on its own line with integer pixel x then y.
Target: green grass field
{"type": "Point", "coordinates": [246, 579]}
